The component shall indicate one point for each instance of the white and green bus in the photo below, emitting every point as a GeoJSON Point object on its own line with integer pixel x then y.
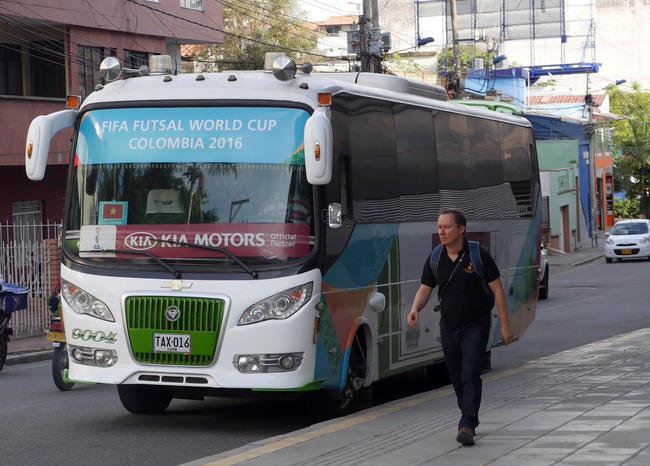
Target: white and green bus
{"type": "Point", "coordinates": [249, 232]}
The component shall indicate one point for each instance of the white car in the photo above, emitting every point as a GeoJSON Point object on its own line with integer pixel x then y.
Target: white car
{"type": "Point", "coordinates": [628, 239]}
{"type": "Point", "coordinates": [543, 274]}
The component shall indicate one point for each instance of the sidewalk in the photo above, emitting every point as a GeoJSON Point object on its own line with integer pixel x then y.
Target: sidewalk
{"type": "Point", "coordinates": [584, 253]}
{"type": "Point", "coordinates": [29, 349]}
{"type": "Point", "coordinates": [586, 406]}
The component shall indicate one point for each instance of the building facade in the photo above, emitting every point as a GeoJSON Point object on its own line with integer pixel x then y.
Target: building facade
{"type": "Point", "coordinates": [48, 52]}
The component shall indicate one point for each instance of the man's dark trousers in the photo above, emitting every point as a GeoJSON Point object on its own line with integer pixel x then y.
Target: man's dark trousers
{"type": "Point", "coordinates": [464, 352]}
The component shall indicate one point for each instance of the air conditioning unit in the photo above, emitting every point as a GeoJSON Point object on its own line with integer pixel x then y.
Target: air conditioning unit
{"type": "Point", "coordinates": [479, 64]}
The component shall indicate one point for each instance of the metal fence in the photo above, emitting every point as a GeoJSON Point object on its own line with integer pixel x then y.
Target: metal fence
{"type": "Point", "coordinates": [30, 256]}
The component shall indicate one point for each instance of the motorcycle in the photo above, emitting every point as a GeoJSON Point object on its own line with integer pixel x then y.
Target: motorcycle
{"type": "Point", "coordinates": [12, 298]}
{"type": "Point", "coordinates": [56, 334]}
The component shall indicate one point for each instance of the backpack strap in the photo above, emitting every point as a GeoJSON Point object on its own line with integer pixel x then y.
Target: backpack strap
{"type": "Point", "coordinates": [477, 262]}
{"type": "Point", "coordinates": [435, 259]}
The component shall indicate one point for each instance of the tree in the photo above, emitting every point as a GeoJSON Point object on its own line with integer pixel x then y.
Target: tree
{"type": "Point", "coordinates": [447, 66]}
{"type": "Point", "coordinates": [467, 54]}
{"type": "Point", "coordinates": [632, 144]}
{"type": "Point", "coordinates": [628, 208]}
{"type": "Point", "coordinates": [256, 27]}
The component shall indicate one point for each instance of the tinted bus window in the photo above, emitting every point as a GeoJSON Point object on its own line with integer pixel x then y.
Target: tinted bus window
{"type": "Point", "coordinates": [517, 166]}
{"type": "Point", "coordinates": [452, 147]}
{"type": "Point", "coordinates": [417, 163]}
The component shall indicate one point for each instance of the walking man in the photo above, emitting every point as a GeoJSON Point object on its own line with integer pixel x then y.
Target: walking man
{"type": "Point", "coordinates": [465, 306]}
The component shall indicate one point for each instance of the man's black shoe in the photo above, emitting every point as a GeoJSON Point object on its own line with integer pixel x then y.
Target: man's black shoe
{"type": "Point", "coordinates": [465, 436]}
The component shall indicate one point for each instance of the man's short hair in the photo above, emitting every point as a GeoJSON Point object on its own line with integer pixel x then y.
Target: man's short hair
{"type": "Point", "coordinates": [459, 216]}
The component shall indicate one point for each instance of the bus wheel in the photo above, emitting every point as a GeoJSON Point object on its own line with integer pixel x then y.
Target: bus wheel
{"type": "Point", "coordinates": [354, 394]}
{"type": "Point", "coordinates": [144, 399]}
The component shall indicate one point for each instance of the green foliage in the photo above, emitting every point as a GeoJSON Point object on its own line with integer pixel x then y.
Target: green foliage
{"type": "Point", "coordinates": [255, 28]}
{"type": "Point", "coordinates": [628, 208]}
{"type": "Point", "coordinates": [467, 54]}
{"type": "Point", "coordinates": [632, 144]}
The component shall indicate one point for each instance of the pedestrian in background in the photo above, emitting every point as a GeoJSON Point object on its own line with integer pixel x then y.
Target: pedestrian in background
{"type": "Point", "coordinates": [465, 314]}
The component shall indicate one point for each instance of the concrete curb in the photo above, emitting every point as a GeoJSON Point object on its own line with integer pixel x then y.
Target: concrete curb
{"type": "Point", "coordinates": [22, 358]}
{"type": "Point", "coordinates": [588, 259]}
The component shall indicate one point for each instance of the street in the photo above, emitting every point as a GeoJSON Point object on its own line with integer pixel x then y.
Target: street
{"type": "Point", "coordinates": [89, 426]}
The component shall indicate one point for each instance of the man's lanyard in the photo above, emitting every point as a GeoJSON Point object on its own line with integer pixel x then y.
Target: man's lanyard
{"type": "Point", "coordinates": [444, 288]}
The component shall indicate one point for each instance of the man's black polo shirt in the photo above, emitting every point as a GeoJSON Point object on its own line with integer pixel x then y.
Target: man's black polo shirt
{"type": "Point", "coordinates": [464, 303]}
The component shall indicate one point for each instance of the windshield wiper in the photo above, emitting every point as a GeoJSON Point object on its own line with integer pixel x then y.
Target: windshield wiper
{"type": "Point", "coordinates": [228, 253]}
{"type": "Point", "coordinates": [143, 252]}
{"type": "Point", "coordinates": [177, 274]}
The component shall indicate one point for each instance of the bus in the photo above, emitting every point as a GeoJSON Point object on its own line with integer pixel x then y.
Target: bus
{"type": "Point", "coordinates": [243, 233]}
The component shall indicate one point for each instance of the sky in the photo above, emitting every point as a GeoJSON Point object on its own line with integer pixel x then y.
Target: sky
{"type": "Point", "coordinates": [319, 10]}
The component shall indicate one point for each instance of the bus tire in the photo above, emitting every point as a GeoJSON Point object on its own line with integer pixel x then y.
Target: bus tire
{"type": "Point", "coordinates": [354, 395]}
{"type": "Point", "coordinates": [144, 399]}
{"type": "Point", "coordinates": [3, 350]}
{"type": "Point", "coordinates": [59, 366]}
{"type": "Point", "coordinates": [543, 289]}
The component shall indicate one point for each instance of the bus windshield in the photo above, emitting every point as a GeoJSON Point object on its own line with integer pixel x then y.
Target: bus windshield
{"type": "Point", "coordinates": [163, 180]}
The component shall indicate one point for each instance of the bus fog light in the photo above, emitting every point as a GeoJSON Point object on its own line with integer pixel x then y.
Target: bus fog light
{"type": "Point", "coordinates": [105, 358]}
{"type": "Point", "coordinates": [248, 363]}
{"type": "Point", "coordinates": [267, 363]}
{"type": "Point", "coordinates": [76, 354]}
{"type": "Point", "coordinates": [287, 362]}
{"type": "Point", "coordinates": [92, 356]}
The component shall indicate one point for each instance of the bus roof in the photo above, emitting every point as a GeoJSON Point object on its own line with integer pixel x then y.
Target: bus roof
{"type": "Point", "coordinates": [262, 86]}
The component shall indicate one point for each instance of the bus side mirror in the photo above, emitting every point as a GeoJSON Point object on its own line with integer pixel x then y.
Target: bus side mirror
{"type": "Point", "coordinates": [334, 218]}
{"type": "Point", "coordinates": [318, 147]}
{"type": "Point", "coordinates": [40, 133]}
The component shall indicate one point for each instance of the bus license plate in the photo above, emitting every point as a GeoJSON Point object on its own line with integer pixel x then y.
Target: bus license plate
{"type": "Point", "coordinates": [626, 252]}
{"type": "Point", "coordinates": [171, 343]}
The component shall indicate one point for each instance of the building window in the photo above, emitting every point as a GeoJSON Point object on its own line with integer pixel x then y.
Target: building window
{"type": "Point", "coordinates": [192, 4]}
{"type": "Point", "coordinates": [11, 78]}
{"type": "Point", "coordinates": [47, 63]}
{"type": "Point", "coordinates": [25, 215]}
{"type": "Point", "coordinates": [134, 60]}
{"type": "Point", "coordinates": [90, 59]}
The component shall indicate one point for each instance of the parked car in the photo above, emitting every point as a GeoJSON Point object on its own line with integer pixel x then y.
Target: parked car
{"type": "Point", "coordinates": [543, 274]}
{"type": "Point", "coordinates": [628, 239]}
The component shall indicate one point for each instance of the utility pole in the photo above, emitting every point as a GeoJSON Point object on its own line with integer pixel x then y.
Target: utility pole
{"type": "Point", "coordinates": [369, 21]}
{"type": "Point", "coordinates": [458, 82]}
{"type": "Point", "coordinates": [363, 44]}
{"type": "Point", "coordinates": [592, 163]}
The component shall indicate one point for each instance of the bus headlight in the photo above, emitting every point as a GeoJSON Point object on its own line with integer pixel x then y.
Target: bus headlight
{"type": "Point", "coordinates": [83, 302]}
{"type": "Point", "coordinates": [278, 306]}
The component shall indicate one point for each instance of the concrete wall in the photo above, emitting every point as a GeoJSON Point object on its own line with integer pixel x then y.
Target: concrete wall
{"type": "Point", "coordinates": [558, 177]}
{"type": "Point", "coordinates": [164, 19]}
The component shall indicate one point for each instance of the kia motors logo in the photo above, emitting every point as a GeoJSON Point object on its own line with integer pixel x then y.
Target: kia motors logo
{"type": "Point", "coordinates": [140, 240]}
{"type": "Point", "coordinates": [172, 313]}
